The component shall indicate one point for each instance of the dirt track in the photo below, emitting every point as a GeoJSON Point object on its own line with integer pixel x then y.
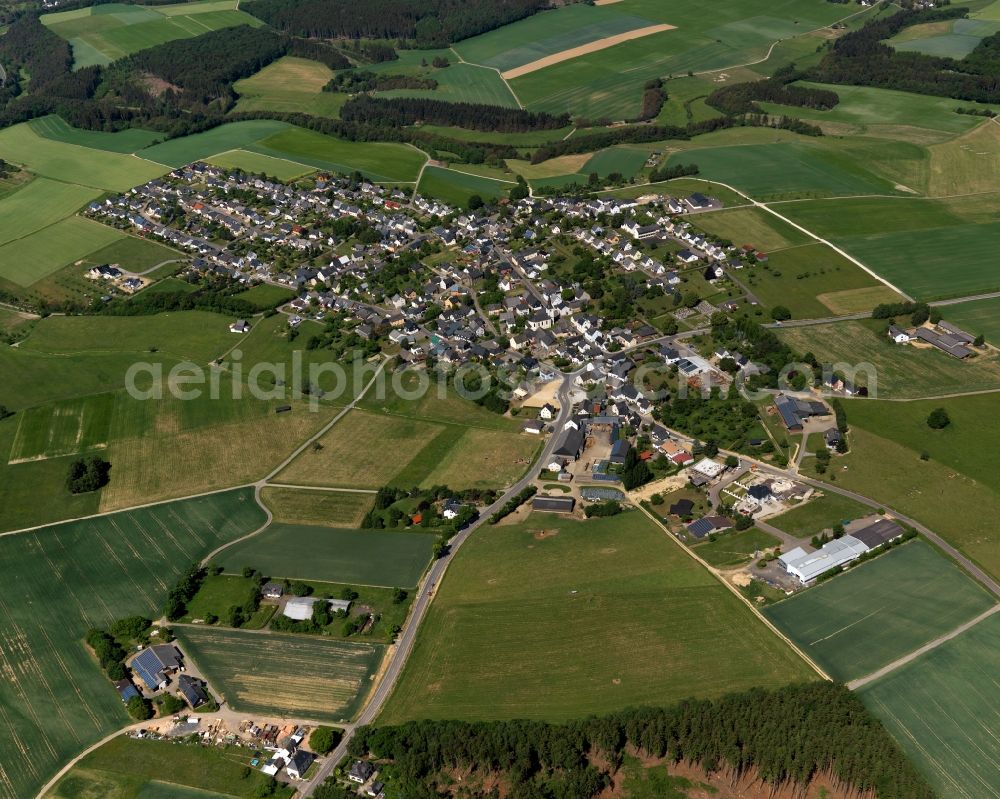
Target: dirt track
{"type": "Point", "coordinates": [583, 49]}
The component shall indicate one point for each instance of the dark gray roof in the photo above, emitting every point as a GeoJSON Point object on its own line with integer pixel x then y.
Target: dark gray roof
{"type": "Point", "coordinates": [878, 533]}
{"type": "Point", "coordinates": [557, 504]}
{"type": "Point", "coordinates": [571, 443]}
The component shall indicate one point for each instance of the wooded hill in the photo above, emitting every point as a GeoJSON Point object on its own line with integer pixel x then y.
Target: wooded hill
{"type": "Point", "coordinates": [786, 736]}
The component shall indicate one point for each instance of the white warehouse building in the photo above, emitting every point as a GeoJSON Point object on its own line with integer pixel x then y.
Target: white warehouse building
{"type": "Point", "coordinates": [807, 566]}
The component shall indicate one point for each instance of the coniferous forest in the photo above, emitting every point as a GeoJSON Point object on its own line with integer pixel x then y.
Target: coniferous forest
{"type": "Point", "coordinates": [786, 736]}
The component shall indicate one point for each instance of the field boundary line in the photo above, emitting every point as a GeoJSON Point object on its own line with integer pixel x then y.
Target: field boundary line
{"type": "Point", "coordinates": [323, 488]}
{"type": "Point", "coordinates": [916, 653]}
{"type": "Point", "coordinates": [474, 175]}
{"type": "Point", "coordinates": [753, 609]}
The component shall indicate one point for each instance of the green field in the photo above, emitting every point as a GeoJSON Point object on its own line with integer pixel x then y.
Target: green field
{"type": "Point", "coordinates": [897, 371]}
{"type": "Point", "coordinates": [943, 709]}
{"type": "Point", "coordinates": [222, 139]}
{"type": "Point", "coordinates": [218, 593]}
{"type": "Point", "coordinates": [625, 160]}
{"type": "Point", "coordinates": [114, 30]}
{"type": "Point", "coordinates": [952, 39]}
{"type": "Point", "coordinates": [135, 254]}
{"type": "Point", "coordinates": [25, 261]}
{"type": "Point", "coordinates": [123, 141]}
{"type": "Point", "coordinates": [818, 514]}
{"type": "Point", "coordinates": [267, 295]}
{"type": "Point", "coordinates": [65, 427]}
{"type": "Point", "coordinates": [368, 557]}
{"type": "Point", "coordinates": [39, 204]}
{"type": "Point", "coordinates": [381, 161]}
{"type": "Point", "coordinates": [290, 85]}
{"type": "Point", "coordinates": [458, 83]}
{"type": "Point", "coordinates": [127, 768]}
{"type": "Point", "coordinates": [752, 226]}
{"type": "Point", "coordinates": [74, 163]}
{"type": "Point", "coordinates": [880, 611]}
{"type": "Point", "coordinates": [735, 549]}
{"type": "Point", "coordinates": [568, 599]}
{"type": "Point", "coordinates": [65, 579]}
{"type": "Point", "coordinates": [279, 168]}
{"type": "Point", "coordinates": [285, 674]}
{"type": "Point", "coordinates": [979, 317]}
{"type": "Point", "coordinates": [455, 188]}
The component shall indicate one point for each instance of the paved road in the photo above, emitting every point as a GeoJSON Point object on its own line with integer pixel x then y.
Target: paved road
{"type": "Point", "coordinates": [401, 650]}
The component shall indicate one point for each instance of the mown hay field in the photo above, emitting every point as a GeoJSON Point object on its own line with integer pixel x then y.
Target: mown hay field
{"type": "Point", "coordinates": [292, 85]}
{"type": "Point", "coordinates": [857, 622]}
{"type": "Point", "coordinates": [292, 676]}
{"type": "Point", "coordinates": [64, 579]}
{"type": "Point", "coordinates": [557, 619]}
{"type": "Point", "coordinates": [306, 506]}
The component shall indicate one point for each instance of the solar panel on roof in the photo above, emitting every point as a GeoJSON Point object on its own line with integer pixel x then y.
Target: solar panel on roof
{"type": "Point", "coordinates": [148, 667]}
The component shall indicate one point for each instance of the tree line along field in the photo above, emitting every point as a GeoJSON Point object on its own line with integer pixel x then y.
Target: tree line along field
{"type": "Point", "coordinates": [881, 610]}
{"type": "Point", "coordinates": [943, 708]}
{"type": "Point", "coordinates": [104, 33]}
{"type": "Point", "coordinates": [292, 676]}
{"type": "Point", "coordinates": [311, 552]}
{"type": "Point", "coordinates": [64, 579]}
{"type": "Point", "coordinates": [614, 614]}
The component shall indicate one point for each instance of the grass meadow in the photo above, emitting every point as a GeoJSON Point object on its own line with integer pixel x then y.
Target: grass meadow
{"type": "Point", "coordinates": [455, 187]}
{"type": "Point", "coordinates": [288, 675]}
{"type": "Point", "coordinates": [457, 83]}
{"type": "Point", "coordinates": [232, 136]}
{"type": "Point", "coordinates": [291, 85]}
{"type": "Point", "coordinates": [128, 768]}
{"type": "Point", "coordinates": [942, 709]}
{"type": "Point", "coordinates": [123, 141]}
{"type": "Point", "coordinates": [65, 579]}
{"type": "Point", "coordinates": [309, 552]}
{"type": "Point", "coordinates": [898, 371]}
{"type": "Point", "coordinates": [601, 615]}
{"type": "Point", "coordinates": [735, 549]}
{"type": "Point", "coordinates": [980, 317]}
{"type": "Point", "coordinates": [108, 32]}
{"type": "Point", "coordinates": [857, 622]}
{"type": "Point", "coordinates": [307, 506]}
{"type": "Point", "coordinates": [247, 161]}
{"type": "Point", "coordinates": [819, 513]}
{"type": "Point", "coordinates": [26, 261]}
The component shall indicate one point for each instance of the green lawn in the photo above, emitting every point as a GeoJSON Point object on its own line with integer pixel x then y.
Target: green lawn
{"type": "Point", "coordinates": [218, 593]}
{"type": "Point", "coordinates": [308, 552]}
{"type": "Point", "coordinates": [943, 708]}
{"type": "Point", "coordinates": [381, 161]}
{"type": "Point", "coordinates": [266, 295]}
{"type": "Point", "coordinates": [896, 371]}
{"type": "Point", "coordinates": [284, 674]}
{"type": "Point", "coordinates": [455, 187]}
{"type": "Point", "coordinates": [65, 579]}
{"type": "Point", "coordinates": [818, 514]}
{"type": "Point", "coordinates": [25, 261]}
{"type": "Point", "coordinates": [857, 622]}
{"type": "Point", "coordinates": [532, 621]}
{"type": "Point", "coordinates": [135, 254]}
{"type": "Point", "coordinates": [624, 160]}
{"type": "Point", "coordinates": [126, 768]}
{"type": "Point", "coordinates": [735, 549]}
{"type": "Point", "coordinates": [247, 161]}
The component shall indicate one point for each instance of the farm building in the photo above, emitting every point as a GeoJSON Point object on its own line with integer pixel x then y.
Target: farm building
{"type": "Point", "coordinates": [951, 343]}
{"type": "Point", "coordinates": [533, 426]}
{"type": "Point", "coordinates": [155, 663]}
{"type": "Point", "coordinates": [875, 534]}
{"type": "Point", "coordinates": [192, 690]}
{"type": "Point", "coordinates": [794, 411]}
{"type": "Point", "coordinates": [597, 494]}
{"type": "Point", "coordinates": [807, 566]}
{"type": "Point", "coordinates": [126, 690]}
{"type": "Point", "coordinates": [571, 444]}
{"type": "Point", "coordinates": [699, 528]}
{"type": "Point", "coordinates": [300, 608]}
{"type": "Point", "coordinates": [554, 504]}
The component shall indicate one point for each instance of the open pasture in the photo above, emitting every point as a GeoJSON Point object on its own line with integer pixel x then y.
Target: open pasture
{"type": "Point", "coordinates": [950, 39]}
{"type": "Point", "coordinates": [735, 549]}
{"type": "Point", "coordinates": [25, 261]}
{"type": "Point", "coordinates": [292, 85]}
{"type": "Point", "coordinates": [292, 676]}
{"type": "Point", "coordinates": [381, 161]}
{"type": "Point", "coordinates": [63, 428]}
{"type": "Point", "coordinates": [943, 709]}
{"type": "Point", "coordinates": [752, 226]}
{"type": "Point", "coordinates": [625, 160]}
{"type": "Point", "coordinates": [455, 187]}
{"type": "Point", "coordinates": [64, 579]}
{"type": "Point", "coordinates": [74, 163]}
{"type": "Point", "coordinates": [614, 615]}
{"type": "Point", "coordinates": [280, 168]}
{"type": "Point", "coordinates": [114, 30]}
{"type": "Point", "coordinates": [38, 204]}
{"type": "Point", "coordinates": [978, 317]}
{"type": "Point", "coordinates": [457, 83]}
{"type": "Point", "coordinates": [818, 514]}
{"type": "Point", "coordinates": [879, 611]}
{"type": "Point", "coordinates": [307, 506]}
{"type": "Point", "coordinates": [967, 164]}
{"type": "Point", "coordinates": [897, 371]}
{"type": "Point", "coordinates": [309, 552]}
{"type": "Point", "coordinates": [124, 141]}
{"type": "Point", "coordinates": [231, 136]}
{"type": "Point", "coordinates": [136, 255]}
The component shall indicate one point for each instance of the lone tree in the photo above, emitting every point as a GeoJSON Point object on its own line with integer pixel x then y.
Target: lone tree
{"type": "Point", "coordinates": [87, 474]}
{"type": "Point", "coordinates": [323, 739]}
{"type": "Point", "coordinates": [938, 419]}
{"type": "Point", "coordinates": [779, 313]}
